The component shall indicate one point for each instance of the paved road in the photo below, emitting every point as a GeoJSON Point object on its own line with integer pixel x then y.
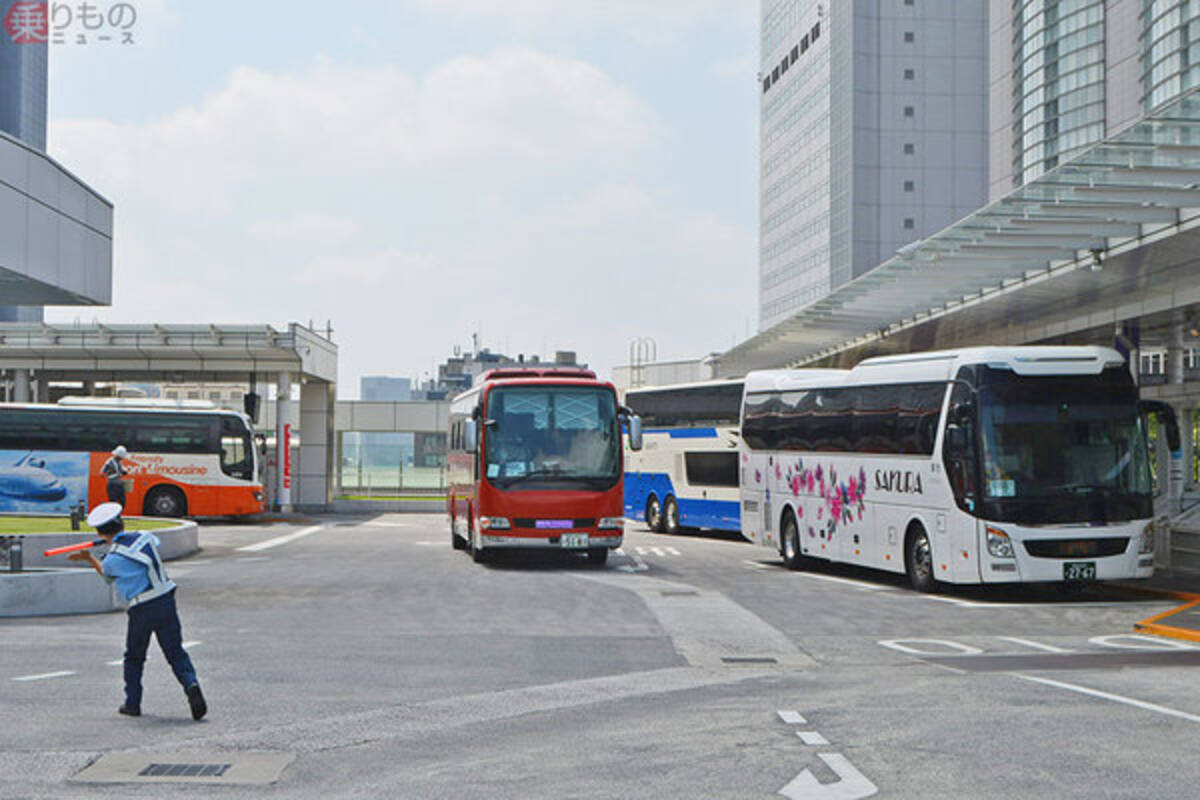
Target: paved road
{"type": "Point", "coordinates": [368, 659]}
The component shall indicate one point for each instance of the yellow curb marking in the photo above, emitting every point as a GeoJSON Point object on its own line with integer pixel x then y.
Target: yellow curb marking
{"type": "Point", "coordinates": [1151, 625]}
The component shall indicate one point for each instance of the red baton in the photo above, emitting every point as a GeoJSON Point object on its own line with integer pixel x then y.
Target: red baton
{"type": "Point", "coordinates": [70, 548]}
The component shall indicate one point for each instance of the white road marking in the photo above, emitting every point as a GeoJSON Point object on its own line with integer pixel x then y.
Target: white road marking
{"type": "Point", "coordinates": [758, 564]}
{"type": "Point", "coordinates": [812, 738]}
{"type": "Point", "coordinates": [1116, 698]}
{"type": "Point", "coordinates": [673, 551]}
{"type": "Point", "coordinates": [871, 587]}
{"type": "Point", "coordinates": [792, 717]}
{"type": "Point", "coordinates": [637, 566]}
{"type": "Point", "coordinates": [895, 644]}
{"type": "Point", "coordinates": [278, 540]}
{"type": "Point", "coordinates": [851, 783]}
{"type": "Point", "coordinates": [429, 544]}
{"type": "Point", "coordinates": [1139, 642]}
{"type": "Point", "coordinates": [61, 674]}
{"type": "Point", "coordinates": [1049, 648]}
{"type": "Point", "coordinates": [254, 558]}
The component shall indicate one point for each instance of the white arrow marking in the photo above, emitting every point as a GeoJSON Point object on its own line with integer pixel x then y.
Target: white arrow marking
{"type": "Point", "coordinates": [851, 785]}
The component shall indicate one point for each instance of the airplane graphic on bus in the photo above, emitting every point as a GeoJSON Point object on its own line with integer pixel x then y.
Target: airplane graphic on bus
{"type": "Point", "coordinates": [29, 480]}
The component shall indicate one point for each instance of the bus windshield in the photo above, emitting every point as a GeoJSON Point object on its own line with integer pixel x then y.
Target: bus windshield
{"type": "Point", "coordinates": [552, 437]}
{"type": "Point", "coordinates": [1063, 450]}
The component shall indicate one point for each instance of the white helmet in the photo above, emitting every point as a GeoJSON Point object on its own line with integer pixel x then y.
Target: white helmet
{"type": "Point", "coordinates": [120, 451]}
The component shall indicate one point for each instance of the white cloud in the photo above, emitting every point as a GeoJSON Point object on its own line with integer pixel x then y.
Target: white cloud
{"type": "Point", "coordinates": [501, 194]}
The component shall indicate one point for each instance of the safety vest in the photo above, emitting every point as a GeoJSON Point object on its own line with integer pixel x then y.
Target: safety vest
{"type": "Point", "coordinates": [144, 552]}
{"type": "Point", "coordinates": [112, 469]}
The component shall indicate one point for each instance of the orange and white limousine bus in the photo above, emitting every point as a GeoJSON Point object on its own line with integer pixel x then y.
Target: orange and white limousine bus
{"type": "Point", "coordinates": [181, 460]}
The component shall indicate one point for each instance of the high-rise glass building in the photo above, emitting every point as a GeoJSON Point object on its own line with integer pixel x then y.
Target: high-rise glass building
{"type": "Point", "coordinates": [873, 126]}
{"type": "Point", "coordinates": [23, 76]}
{"type": "Point", "coordinates": [23, 73]}
{"type": "Point", "coordinates": [1065, 74]}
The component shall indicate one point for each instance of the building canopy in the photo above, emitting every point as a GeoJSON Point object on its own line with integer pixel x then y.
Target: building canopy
{"type": "Point", "coordinates": [1065, 239]}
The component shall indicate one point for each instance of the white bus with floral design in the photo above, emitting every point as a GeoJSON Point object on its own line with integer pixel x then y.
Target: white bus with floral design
{"type": "Point", "coordinates": [983, 465]}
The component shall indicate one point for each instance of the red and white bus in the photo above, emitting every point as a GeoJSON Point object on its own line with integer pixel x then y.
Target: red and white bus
{"type": "Point", "coordinates": [182, 460]}
{"type": "Point", "coordinates": [535, 461]}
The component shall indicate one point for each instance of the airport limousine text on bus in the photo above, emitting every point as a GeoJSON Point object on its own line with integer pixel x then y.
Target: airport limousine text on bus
{"type": "Point", "coordinates": [182, 460]}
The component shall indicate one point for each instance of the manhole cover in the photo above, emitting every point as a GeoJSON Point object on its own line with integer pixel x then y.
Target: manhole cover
{"type": "Point", "coordinates": [219, 768]}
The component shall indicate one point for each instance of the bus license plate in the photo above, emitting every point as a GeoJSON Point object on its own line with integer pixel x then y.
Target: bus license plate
{"type": "Point", "coordinates": [573, 540]}
{"type": "Point", "coordinates": [1079, 571]}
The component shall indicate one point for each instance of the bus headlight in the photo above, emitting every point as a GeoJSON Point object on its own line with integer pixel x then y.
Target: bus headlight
{"type": "Point", "coordinates": [1147, 545]}
{"type": "Point", "coordinates": [998, 543]}
{"type": "Point", "coordinates": [494, 523]}
{"type": "Point", "coordinates": [611, 523]}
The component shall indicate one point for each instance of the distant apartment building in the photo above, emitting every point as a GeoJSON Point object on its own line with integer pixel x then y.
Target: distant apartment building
{"type": "Point", "coordinates": [873, 126]}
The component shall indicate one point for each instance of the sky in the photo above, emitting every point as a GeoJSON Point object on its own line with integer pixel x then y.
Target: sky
{"type": "Point", "coordinates": [547, 174]}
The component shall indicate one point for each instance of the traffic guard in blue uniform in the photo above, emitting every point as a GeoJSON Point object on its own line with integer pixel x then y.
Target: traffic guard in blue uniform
{"type": "Point", "coordinates": [134, 565]}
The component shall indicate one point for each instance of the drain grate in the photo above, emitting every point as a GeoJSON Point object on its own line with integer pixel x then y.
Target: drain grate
{"type": "Point", "coordinates": [749, 660]}
{"type": "Point", "coordinates": [194, 768]}
{"type": "Point", "coordinates": [679, 593]}
{"type": "Point", "coordinates": [184, 771]}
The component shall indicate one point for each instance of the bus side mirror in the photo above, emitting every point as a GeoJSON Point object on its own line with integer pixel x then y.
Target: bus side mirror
{"type": "Point", "coordinates": [635, 433]}
{"type": "Point", "coordinates": [471, 435]}
{"type": "Point", "coordinates": [962, 412]}
{"type": "Point", "coordinates": [1166, 418]}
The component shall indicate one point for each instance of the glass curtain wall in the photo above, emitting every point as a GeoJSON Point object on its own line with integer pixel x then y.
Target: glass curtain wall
{"type": "Point", "coordinates": [1170, 49]}
{"type": "Point", "coordinates": [1058, 88]}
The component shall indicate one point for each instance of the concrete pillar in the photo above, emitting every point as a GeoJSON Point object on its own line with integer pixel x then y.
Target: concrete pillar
{"type": "Point", "coordinates": [21, 392]}
{"type": "Point", "coordinates": [284, 471]}
{"type": "Point", "coordinates": [316, 445]}
{"type": "Point", "coordinates": [1176, 350]}
{"type": "Point", "coordinates": [43, 390]}
{"type": "Point", "coordinates": [1187, 416]}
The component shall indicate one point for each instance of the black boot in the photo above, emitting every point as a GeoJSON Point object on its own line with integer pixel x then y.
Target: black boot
{"type": "Point", "coordinates": [130, 711]}
{"type": "Point", "coordinates": [196, 701]}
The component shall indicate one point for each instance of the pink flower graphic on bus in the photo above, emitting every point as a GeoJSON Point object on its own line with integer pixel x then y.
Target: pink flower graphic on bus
{"type": "Point", "coordinates": [845, 501]}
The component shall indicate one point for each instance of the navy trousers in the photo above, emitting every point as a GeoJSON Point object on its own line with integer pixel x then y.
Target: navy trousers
{"type": "Point", "coordinates": [159, 617]}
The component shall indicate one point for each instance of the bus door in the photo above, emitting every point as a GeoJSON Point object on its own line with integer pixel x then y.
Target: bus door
{"type": "Point", "coordinates": [957, 535]}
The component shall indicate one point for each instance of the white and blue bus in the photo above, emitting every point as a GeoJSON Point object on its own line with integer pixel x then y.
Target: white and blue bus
{"type": "Point", "coordinates": [686, 475]}
{"type": "Point", "coordinates": [983, 465]}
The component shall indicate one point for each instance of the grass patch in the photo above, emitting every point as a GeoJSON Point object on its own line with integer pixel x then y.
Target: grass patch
{"type": "Point", "coordinates": [10, 526]}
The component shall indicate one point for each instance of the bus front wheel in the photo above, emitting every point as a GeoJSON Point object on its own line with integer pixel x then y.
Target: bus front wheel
{"type": "Point", "coordinates": [164, 501]}
{"type": "Point", "coordinates": [918, 559]}
{"type": "Point", "coordinates": [789, 543]}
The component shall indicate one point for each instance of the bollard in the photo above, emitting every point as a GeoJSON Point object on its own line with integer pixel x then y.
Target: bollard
{"type": "Point", "coordinates": [14, 555]}
{"type": "Point", "coordinates": [75, 519]}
